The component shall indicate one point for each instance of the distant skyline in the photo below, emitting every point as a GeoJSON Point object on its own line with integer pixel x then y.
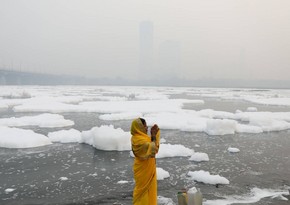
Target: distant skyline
{"type": "Point", "coordinates": [241, 39]}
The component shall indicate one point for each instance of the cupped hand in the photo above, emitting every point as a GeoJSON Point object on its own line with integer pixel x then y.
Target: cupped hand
{"type": "Point", "coordinates": [154, 130]}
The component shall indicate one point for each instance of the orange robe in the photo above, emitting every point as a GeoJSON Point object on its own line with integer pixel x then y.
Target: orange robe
{"type": "Point", "coordinates": [145, 191]}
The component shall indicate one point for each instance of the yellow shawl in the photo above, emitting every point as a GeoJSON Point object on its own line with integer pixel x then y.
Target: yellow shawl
{"type": "Point", "coordinates": [145, 191]}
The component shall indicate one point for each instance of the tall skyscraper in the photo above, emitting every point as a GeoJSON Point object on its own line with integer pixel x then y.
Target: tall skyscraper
{"type": "Point", "coordinates": [146, 50]}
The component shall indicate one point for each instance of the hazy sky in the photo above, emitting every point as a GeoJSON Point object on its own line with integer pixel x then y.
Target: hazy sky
{"type": "Point", "coordinates": [247, 39]}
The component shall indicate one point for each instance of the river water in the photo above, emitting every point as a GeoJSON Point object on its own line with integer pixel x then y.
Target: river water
{"type": "Point", "coordinates": [92, 176]}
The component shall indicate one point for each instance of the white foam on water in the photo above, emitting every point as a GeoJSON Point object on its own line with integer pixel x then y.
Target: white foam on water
{"type": "Point", "coordinates": [8, 190]}
{"type": "Point", "coordinates": [165, 201]}
{"type": "Point", "coordinates": [199, 157]}
{"type": "Point", "coordinates": [162, 174]}
{"type": "Point", "coordinates": [42, 120]}
{"type": "Point", "coordinates": [255, 196]}
{"type": "Point", "coordinates": [65, 136]}
{"type": "Point", "coordinates": [106, 137]}
{"type": "Point", "coordinates": [233, 150]}
{"type": "Point", "coordinates": [126, 103]}
{"type": "Point", "coordinates": [21, 138]}
{"type": "Point", "coordinates": [122, 182]}
{"type": "Point", "coordinates": [207, 178]}
{"type": "Point", "coordinates": [169, 150]}
{"type": "Point", "coordinates": [173, 150]}
{"type": "Point", "coordinates": [63, 178]}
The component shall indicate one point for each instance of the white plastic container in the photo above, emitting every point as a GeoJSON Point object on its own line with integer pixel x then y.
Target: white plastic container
{"type": "Point", "coordinates": [194, 196]}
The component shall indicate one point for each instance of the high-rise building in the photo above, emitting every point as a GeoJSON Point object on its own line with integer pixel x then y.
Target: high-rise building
{"type": "Point", "coordinates": [146, 50]}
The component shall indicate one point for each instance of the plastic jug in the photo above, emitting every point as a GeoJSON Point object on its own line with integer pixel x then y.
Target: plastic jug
{"type": "Point", "coordinates": [182, 198]}
{"type": "Point", "coordinates": [194, 196]}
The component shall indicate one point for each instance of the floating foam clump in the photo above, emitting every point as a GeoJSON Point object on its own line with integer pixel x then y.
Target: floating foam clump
{"type": "Point", "coordinates": [207, 178]}
{"type": "Point", "coordinates": [162, 174]}
{"type": "Point", "coordinates": [233, 150]}
{"type": "Point", "coordinates": [107, 138]}
{"type": "Point", "coordinates": [220, 127]}
{"type": "Point", "coordinates": [21, 138]}
{"type": "Point", "coordinates": [199, 157]}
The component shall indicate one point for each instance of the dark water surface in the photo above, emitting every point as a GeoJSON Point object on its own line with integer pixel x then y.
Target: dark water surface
{"type": "Point", "coordinates": [92, 175]}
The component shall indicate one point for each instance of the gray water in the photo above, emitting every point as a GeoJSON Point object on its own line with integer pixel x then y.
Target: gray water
{"type": "Point", "coordinates": [93, 174]}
